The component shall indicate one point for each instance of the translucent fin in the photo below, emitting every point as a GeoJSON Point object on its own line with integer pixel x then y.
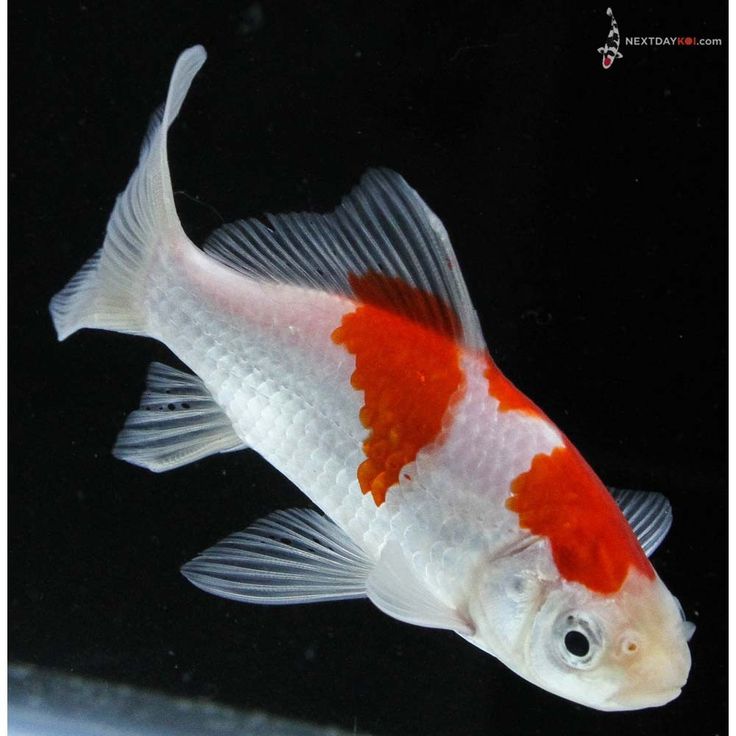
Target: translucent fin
{"type": "Point", "coordinates": [294, 556]}
{"type": "Point", "coordinates": [153, 127]}
{"type": "Point", "coordinates": [649, 515]}
{"type": "Point", "coordinates": [381, 236]}
{"type": "Point", "coordinates": [177, 423]}
{"type": "Point", "coordinates": [395, 590]}
{"type": "Point", "coordinates": [106, 293]}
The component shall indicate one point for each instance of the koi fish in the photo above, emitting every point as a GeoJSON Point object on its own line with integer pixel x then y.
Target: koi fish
{"type": "Point", "coordinates": [609, 50]}
{"type": "Point", "coordinates": [344, 349]}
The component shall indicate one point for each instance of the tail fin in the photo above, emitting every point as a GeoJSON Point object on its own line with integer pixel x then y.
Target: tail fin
{"type": "Point", "coordinates": [106, 292]}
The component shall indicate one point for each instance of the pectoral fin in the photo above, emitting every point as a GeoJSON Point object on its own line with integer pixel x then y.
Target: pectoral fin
{"type": "Point", "coordinates": [394, 589]}
{"type": "Point", "coordinates": [649, 514]}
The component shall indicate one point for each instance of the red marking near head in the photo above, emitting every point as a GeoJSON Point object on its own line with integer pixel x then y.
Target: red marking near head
{"type": "Point", "coordinates": [561, 498]}
{"type": "Point", "coordinates": [408, 370]}
{"type": "Point", "coordinates": [508, 396]}
{"type": "Point", "coordinates": [607, 61]}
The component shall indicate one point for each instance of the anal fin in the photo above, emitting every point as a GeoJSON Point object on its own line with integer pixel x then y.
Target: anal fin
{"type": "Point", "coordinates": [177, 423]}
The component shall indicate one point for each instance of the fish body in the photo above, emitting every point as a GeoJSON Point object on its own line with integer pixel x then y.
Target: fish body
{"type": "Point", "coordinates": [609, 51]}
{"type": "Point", "coordinates": [344, 349]}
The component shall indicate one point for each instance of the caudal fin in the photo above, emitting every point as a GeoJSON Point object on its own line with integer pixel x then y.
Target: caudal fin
{"type": "Point", "coordinates": [107, 292]}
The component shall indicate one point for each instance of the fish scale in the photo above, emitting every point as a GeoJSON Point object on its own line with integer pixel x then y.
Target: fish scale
{"type": "Point", "coordinates": [280, 426]}
{"type": "Point", "coordinates": [278, 422]}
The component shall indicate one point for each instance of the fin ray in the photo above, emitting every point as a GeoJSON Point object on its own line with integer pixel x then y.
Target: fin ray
{"type": "Point", "coordinates": [649, 514]}
{"type": "Point", "coordinates": [105, 293]}
{"type": "Point", "coordinates": [178, 422]}
{"type": "Point", "coordinates": [382, 228]}
{"type": "Point", "coordinates": [394, 589]}
{"type": "Point", "coordinates": [294, 556]}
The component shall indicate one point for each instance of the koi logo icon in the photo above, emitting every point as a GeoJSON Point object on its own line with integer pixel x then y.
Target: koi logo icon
{"type": "Point", "coordinates": [609, 50]}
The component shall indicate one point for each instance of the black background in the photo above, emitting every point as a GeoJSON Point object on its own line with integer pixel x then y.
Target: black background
{"type": "Point", "coordinates": [587, 210]}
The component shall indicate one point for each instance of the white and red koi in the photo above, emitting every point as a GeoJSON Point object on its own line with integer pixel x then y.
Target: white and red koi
{"type": "Point", "coordinates": [609, 50]}
{"type": "Point", "coordinates": [344, 348]}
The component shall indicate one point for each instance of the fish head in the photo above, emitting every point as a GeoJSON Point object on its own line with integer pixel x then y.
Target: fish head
{"type": "Point", "coordinates": [605, 52]}
{"type": "Point", "coordinates": [615, 652]}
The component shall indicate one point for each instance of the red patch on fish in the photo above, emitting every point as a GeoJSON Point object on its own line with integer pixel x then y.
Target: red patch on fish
{"type": "Point", "coordinates": [396, 296]}
{"type": "Point", "coordinates": [508, 396]}
{"type": "Point", "coordinates": [408, 366]}
{"type": "Point", "coordinates": [561, 498]}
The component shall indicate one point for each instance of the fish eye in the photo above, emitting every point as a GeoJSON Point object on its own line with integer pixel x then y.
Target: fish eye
{"type": "Point", "coordinates": [579, 640]}
{"type": "Point", "coordinates": [577, 643]}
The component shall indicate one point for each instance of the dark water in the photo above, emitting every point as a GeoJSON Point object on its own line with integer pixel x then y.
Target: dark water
{"type": "Point", "coordinates": [587, 210]}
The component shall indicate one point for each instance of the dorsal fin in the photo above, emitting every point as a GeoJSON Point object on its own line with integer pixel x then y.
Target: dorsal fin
{"type": "Point", "coordinates": [381, 245]}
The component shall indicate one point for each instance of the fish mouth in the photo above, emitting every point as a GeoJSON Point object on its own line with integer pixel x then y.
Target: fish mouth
{"type": "Point", "coordinates": [631, 699]}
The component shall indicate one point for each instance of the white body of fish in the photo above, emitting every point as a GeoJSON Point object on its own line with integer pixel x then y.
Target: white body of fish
{"type": "Point", "coordinates": [257, 317]}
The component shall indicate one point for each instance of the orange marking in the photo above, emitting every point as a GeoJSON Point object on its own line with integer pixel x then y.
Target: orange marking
{"type": "Point", "coordinates": [407, 368]}
{"type": "Point", "coordinates": [561, 498]}
{"type": "Point", "coordinates": [394, 295]}
{"type": "Point", "coordinates": [509, 397]}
